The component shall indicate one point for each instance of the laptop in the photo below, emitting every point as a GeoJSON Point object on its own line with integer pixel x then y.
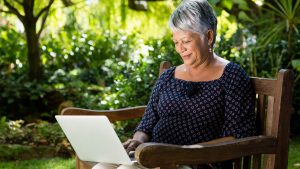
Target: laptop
{"type": "Point", "coordinates": [94, 139]}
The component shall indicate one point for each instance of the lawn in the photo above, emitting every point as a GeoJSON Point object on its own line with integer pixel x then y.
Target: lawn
{"type": "Point", "coordinates": [53, 163]}
{"type": "Point", "coordinates": [60, 163]}
{"type": "Point", "coordinates": [294, 154]}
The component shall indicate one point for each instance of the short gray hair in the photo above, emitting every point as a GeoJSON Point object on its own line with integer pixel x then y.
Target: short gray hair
{"type": "Point", "coordinates": [195, 16]}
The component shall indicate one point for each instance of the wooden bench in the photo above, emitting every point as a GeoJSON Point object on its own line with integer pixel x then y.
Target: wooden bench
{"type": "Point", "coordinates": [269, 150]}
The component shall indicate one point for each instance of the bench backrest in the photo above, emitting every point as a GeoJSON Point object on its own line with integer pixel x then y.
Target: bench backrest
{"type": "Point", "coordinates": [273, 110]}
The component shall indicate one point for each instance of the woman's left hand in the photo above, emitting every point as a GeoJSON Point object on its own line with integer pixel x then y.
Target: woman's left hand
{"type": "Point", "coordinates": [131, 145]}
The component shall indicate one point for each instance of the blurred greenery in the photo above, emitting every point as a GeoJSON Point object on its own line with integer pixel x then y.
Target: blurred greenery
{"type": "Point", "coordinates": [104, 55]}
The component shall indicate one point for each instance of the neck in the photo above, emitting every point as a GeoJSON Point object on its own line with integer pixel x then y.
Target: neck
{"type": "Point", "coordinates": [202, 66]}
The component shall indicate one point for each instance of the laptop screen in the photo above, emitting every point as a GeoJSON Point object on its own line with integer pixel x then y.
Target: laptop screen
{"type": "Point", "coordinates": [93, 139]}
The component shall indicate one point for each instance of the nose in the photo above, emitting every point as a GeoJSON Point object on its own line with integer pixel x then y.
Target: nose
{"type": "Point", "coordinates": [181, 48]}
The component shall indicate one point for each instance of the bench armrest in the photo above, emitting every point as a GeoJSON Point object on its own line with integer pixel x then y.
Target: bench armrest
{"type": "Point", "coordinates": [157, 154]}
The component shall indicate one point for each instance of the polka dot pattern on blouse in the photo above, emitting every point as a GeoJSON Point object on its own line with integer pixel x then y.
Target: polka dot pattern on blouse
{"type": "Point", "coordinates": [184, 112]}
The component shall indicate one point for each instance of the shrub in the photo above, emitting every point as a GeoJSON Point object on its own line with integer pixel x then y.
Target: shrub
{"type": "Point", "coordinates": [34, 134]}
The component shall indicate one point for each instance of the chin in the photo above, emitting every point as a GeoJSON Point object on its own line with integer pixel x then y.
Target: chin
{"type": "Point", "coordinates": [188, 62]}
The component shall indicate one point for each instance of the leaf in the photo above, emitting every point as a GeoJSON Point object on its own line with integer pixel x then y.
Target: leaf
{"type": "Point", "coordinates": [296, 7]}
{"type": "Point", "coordinates": [214, 2]}
{"type": "Point", "coordinates": [271, 34]}
{"type": "Point", "coordinates": [296, 64]}
{"type": "Point", "coordinates": [218, 11]}
{"type": "Point", "coordinates": [9, 101]}
{"type": "Point", "coordinates": [34, 97]}
{"type": "Point", "coordinates": [283, 7]}
{"type": "Point", "coordinates": [242, 4]}
{"type": "Point", "coordinates": [4, 35]}
{"type": "Point", "coordinates": [275, 10]}
{"type": "Point", "coordinates": [227, 4]}
{"type": "Point", "coordinates": [243, 16]}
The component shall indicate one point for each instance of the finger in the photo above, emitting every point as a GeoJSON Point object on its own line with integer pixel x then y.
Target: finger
{"type": "Point", "coordinates": [128, 149]}
{"type": "Point", "coordinates": [131, 147]}
{"type": "Point", "coordinates": [136, 143]}
{"type": "Point", "coordinates": [125, 144]}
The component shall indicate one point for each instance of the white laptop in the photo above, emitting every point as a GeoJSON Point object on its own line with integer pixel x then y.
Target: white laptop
{"type": "Point", "coordinates": [94, 139]}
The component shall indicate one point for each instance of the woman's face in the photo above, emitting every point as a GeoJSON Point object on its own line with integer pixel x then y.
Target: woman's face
{"type": "Point", "coordinates": [192, 47]}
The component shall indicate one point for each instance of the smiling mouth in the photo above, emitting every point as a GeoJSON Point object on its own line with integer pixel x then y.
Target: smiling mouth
{"type": "Point", "coordinates": [186, 56]}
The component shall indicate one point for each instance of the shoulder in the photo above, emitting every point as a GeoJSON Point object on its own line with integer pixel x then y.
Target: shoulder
{"type": "Point", "coordinates": [234, 70]}
{"type": "Point", "coordinates": [163, 78]}
{"type": "Point", "coordinates": [166, 75]}
{"type": "Point", "coordinates": [230, 71]}
{"type": "Point", "coordinates": [235, 76]}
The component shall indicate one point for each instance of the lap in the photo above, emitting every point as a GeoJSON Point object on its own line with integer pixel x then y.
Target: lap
{"type": "Point", "coordinates": [118, 166]}
{"type": "Point", "coordinates": [135, 165]}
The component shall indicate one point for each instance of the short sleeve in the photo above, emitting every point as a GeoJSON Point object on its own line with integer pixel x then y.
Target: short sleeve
{"type": "Point", "coordinates": [239, 104]}
{"type": "Point", "coordinates": [151, 117]}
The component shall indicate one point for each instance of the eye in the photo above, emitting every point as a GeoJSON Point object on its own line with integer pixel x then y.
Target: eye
{"type": "Point", "coordinates": [187, 41]}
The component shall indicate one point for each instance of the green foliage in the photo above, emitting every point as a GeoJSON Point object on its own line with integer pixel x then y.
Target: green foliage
{"type": "Point", "coordinates": [93, 70]}
{"type": "Point", "coordinates": [105, 56]}
{"type": "Point", "coordinates": [18, 139]}
{"type": "Point", "coordinates": [287, 11]}
{"type": "Point", "coordinates": [11, 151]}
{"type": "Point", "coordinates": [134, 78]}
{"type": "Point", "coordinates": [11, 59]}
{"type": "Point", "coordinates": [42, 133]}
{"type": "Point", "coordinates": [3, 127]}
{"type": "Point", "coordinates": [20, 97]}
{"type": "Point", "coordinates": [294, 153]}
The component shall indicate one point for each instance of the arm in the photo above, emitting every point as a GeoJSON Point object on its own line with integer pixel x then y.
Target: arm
{"type": "Point", "coordinates": [144, 129]}
{"type": "Point", "coordinates": [239, 116]}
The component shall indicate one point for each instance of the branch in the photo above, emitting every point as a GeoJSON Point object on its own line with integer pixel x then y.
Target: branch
{"type": "Point", "coordinates": [1, 10]}
{"type": "Point", "coordinates": [43, 23]}
{"type": "Point", "coordinates": [45, 9]}
{"type": "Point", "coordinates": [75, 4]}
{"type": "Point", "coordinates": [19, 2]}
{"type": "Point", "coordinates": [67, 3]}
{"type": "Point", "coordinates": [13, 10]}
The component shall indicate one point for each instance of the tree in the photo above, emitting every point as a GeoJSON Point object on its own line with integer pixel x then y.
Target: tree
{"type": "Point", "coordinates": [30, 16]}
{"type": "Point", "coordinates": [26, 13]}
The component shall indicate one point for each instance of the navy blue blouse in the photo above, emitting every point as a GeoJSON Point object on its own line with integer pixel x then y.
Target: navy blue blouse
{"type": "Point", "coordinates": [184, 112]}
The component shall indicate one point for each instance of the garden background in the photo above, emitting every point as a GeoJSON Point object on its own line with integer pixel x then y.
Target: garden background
{"type": "Point", "coordinates": [103, 54]}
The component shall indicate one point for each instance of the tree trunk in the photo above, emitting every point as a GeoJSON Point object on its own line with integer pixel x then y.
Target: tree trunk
{"type": "Point", "coordinates": [33, 53]}
{"type": "Point", "coordinates": [33, 46]}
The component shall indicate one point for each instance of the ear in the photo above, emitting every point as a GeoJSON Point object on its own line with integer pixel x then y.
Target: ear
{"type": "Point", "coordinates": [210, 36]}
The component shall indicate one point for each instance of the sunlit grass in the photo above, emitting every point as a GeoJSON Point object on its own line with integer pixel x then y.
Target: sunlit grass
{"type": "Point", "coordinates": [53, 163]}
{"type": "Point", "coordinates": [294, 154]}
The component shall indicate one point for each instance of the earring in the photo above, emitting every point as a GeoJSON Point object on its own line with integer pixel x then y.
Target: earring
{"type": "Point", "coordinates": [210, 49]}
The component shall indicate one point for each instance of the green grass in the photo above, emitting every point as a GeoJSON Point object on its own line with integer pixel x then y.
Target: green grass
{"type": "Point", "coordinates": [60, 163]}
{"type": "Point", "coordinates": [53, 163]}
{"type": "Point", "coordinates": [294, 154]}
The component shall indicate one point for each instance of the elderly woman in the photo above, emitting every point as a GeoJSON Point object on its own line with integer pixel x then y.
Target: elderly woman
{"type": "Point", "coordinates": [205, 98]}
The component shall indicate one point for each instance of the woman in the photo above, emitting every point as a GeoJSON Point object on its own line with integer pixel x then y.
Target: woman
{"type": "Point", "coordinates": [205, 98]}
